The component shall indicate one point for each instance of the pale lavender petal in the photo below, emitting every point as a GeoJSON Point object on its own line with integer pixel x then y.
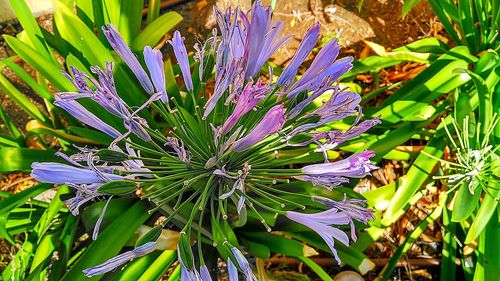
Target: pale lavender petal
{"type": "Point", "coordinates": [117, 43]}
{"type": "Point", "coordinates": [271, 123]}
{"type": "Point", "coordinates": [119, 260]}
{"type": "Point", "coordinates": [305, 48]}
{"type": "Point", "coordinates": [321, 224]}
{"type": "Point", "coordinates": [351, 207]}
{"type": "Point", "coordinates": [248, 99]}
{"type": "Point", "coordinates": [58, 173]}
{"type": "Point", "coordinates": [244, 265]}
{"type": "Point", "coordinates": [356, 166]}
{"type": "Point", "coordinates": [86, 117]}
{"type": "Point", "coordinates": [232, 270]}
{"type": "Point", "coordinates": [205, 274]}
{"type": "Point", "coordinates": [99, 221]}
{"type": "Point", "coordinates": [84, 193]}
{"type": "Point", "coordinates": [154, 63]}
{"type": "Point", "coordinates": [180, 52]}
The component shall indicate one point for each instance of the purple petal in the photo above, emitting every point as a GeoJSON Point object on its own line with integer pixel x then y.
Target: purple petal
{"type": "Point", "coordinates": [99, 221]}
{"type": "Point", "coordinates": [248, 99]}
{"type": "Point", "coordinates": [232, 270]}
{"type": "Point", "coordinates": [180, 53]}
{"type": "Point", "coordinates": [205, 274]}
{"type": "Point", "coordinates": [356, 166]}
{"type": "Point", "coordinates": [305, 48]}
{"type": "Point", "coordinates": [271, 123]}
{"type": "Point", "coordinates": [86, 117]}
{"type": "Point", "coordinates": [57, 173]}
{"type": "Point", "coordinates": [117, 43]}
{"type": "Point", "coordinates": [154, 63]}
{"type": "Point", "coordinates": [244, 265]}
{"type": "Point", "coordinates": [119, 260]}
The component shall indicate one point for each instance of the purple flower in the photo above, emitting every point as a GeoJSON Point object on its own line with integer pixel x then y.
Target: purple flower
{"type": "Point", "coordinates": [189, 275]}
{"type": "Point", "coordinates": [154, 63]}
{"type": "Point", "coordinates": [244, 265]}
{"type": "Point", "coordinates": [107, 96]}
{"type": "Point", "coordinates": [325, 86]}
{"type": "Point", "coordinates": [355, 166]}
{"type": "Point", "coordinates": [248, 99]}
{"type": "Point", "coordinates": [324, 66]}
{"type": "Point", "coordinates": [205, 274]}
{"type": "Point", "coordinates": [305, 48]}
{"type": "Point", "coordinates": [117, 43]}
{"type": "Point", "coordinates": [321, 224]}
{"type": "Point", "coordinates": [239, 184]}
{"type": "Point", "coordinates": [83, 194]}
{"type": "Point", "coordinates": [271, 123]}
{"type": "Point", "coordinates": [232, 270]}
{"type": "Point", "coordinates": [339, 106]}
{"type": "Point", "coordinates": [99, 220]}
{"type": "Point", "coordinates": [85, 116]}
{"type": "Point", "coordinates": [180, 52]}
{"type": "Point", "coordinates": [262, 38]}
{"type": "Point", "coordinates": [222, 82]}
{"type": "Point", "coordinates": [336, 137]}
{"type": "Point", "coordinates": [119, 260]}
{"type": "Point", "coordinates": [58, 173]}
{"type": "Point", "coordinates": [326, 182]}
{"type": "Point", "coordinates": [352, 208]}
{"type": "Point", "coordinates": [179, 148]}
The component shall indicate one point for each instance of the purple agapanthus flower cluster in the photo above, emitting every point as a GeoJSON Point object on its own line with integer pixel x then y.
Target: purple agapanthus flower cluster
{"type": "Point", "coordinates": [219, 155]}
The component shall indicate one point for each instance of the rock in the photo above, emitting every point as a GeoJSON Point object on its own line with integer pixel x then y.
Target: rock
{"type": "Point", "coordinates": [351, 27]}
{"type": "Point", "coordinates": [348, 276]}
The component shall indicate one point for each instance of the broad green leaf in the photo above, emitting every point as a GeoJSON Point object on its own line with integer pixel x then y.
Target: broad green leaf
{"type": "Point", "coordinates": [31, 27]}
{"type": "Point", "coordinates": [484, 215]}
{"type": "Point", "coordinates": [48, 69]}
{"type": "Point", "coordinates": [159, 266]}
{"type": "Point", "coordinates": [92, 135]}
{"type": "Point", "coordinates": [11, 127]}
{"type": "Point", "coordinates": [449, 252]}
{"type": "Point", "coordinates": [155, 31]}
{"type": "Point", "coordinates": [135, 268]}
{"type": "Point", "coordinates": [416, 176]}
{"type": "Point", "coordinates": [28, 79]}
{"type": "Point", "coordinates": [85, 12]}
{"type": "Point", "coordinates": [20, 159]}
{"type": "Point", "coordinates": [116, 207]}
{"type": "Point", "coordinates": [80, 36]}
{"type": "Point", "coordinates": [34, 126]}
{"type": "Point", "coordinates": [153, 11]}
{"type": "Point", "coordinates": [408, 5]}
{"type": "Point", "coordinates": [433, 86]}
{"type": "Point", "coordinates": [21, 100]}
{"type": "Point", "coordinates": [109, 242]}
{"type": "Point", "coordinates": [491, 257]}
{"type": "Point", "coordinates": [279, 244]}
{"type": "Point", "coordinates": [465, 203]}
{"type": "Point", "coordinates": [18, 199]}
{"type": "Point", "coordinates": [130, 19]}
